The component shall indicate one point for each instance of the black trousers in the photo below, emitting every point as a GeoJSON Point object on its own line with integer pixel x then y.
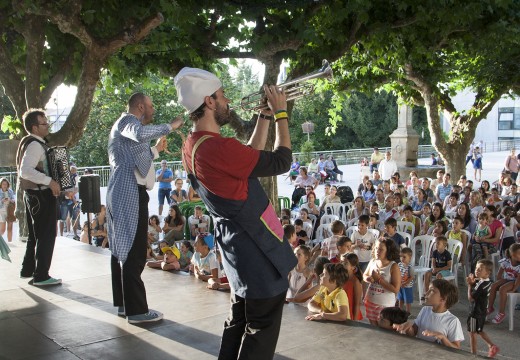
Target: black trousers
{"type": "Point", "coordinates": [127, 287]}
{"type": "Point", "coordinates": [252, 328]}
{"type": "Point", "coordinates": [41, 209]}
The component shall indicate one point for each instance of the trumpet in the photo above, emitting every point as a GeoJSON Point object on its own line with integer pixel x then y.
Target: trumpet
{"type": "Point", "coordinates": [294, 89]}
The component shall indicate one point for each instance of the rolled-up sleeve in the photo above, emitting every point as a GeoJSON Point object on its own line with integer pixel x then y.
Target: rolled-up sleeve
{"type": "Point", "coordinates": [32, 156]}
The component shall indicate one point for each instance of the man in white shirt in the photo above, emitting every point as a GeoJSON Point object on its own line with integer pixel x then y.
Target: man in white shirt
{"type": "Point", "coordinates": [469, 155]}
{"type": "Point", "coordinates": [40, 199]}
{"type": "Point", "coordinates": [387, 167]}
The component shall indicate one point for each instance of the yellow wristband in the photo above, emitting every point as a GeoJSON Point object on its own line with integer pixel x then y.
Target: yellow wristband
{"type": "Point", "coordinates": [280, 115]}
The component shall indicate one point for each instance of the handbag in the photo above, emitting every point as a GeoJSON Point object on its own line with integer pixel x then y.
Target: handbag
{"type": "Point", "coordinates": [10, 212]}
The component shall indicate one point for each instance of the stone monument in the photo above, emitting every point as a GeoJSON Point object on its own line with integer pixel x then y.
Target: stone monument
{"type": "Point", "coordinates": [405, 146]}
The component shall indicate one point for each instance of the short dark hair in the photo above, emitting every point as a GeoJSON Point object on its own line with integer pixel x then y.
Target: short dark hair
{"type": "Point", "coordinates": [395, 315]}
{"type": "Point", "coordinates": [337, 227]}
{"type": "Point", "coordinates": [391, 222]}
{"type": "Point", "coordinates": [135, 100]}
{"type": "Point", "coordinates": [288, 230]}
{"type": "Point", "coordinates": [337, 273]}
{"type": "Point", "coordinates": [408, 208]}
{"type": "Point", "coordinates": [298, 222]}
{"type": "Point", "coordinates": [488, 264]}
{"type": "Point", "coordinates": [447, 290]}
{"type": "Point", "coordinates": [320, 263]}
{"type": "Point", "coordinates": [364, 219]}
{"type": "Point", "coordinates": [407, 251]}
{"type": "Point", "coordinates": [30, 118]}
{"type": "Point", "coordinates": [343, 240]}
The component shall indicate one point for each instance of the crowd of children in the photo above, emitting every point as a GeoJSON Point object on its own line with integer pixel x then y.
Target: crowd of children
{"type": "Point", "coordinates": [370, 273]}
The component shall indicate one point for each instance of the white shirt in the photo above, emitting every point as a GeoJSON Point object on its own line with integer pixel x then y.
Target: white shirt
{"type": "Point", "coordinates": [368, 239]}
{"type": "Point", "coordinates": [445, 323]}
{"type": "Point", "coordinates": [387, 168]}
{"type": "Point", "coordinates": [34, 153]}
{"type": "Point", "coordinates": [149, 180]}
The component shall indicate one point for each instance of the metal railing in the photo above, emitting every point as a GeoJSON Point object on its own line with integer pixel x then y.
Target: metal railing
{"type": "Point", "coordinates": [342, 157]}
{"type": "Point", "coordinates": [354, 156]}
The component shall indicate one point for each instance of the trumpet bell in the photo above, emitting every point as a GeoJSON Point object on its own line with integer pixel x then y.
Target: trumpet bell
{"type": "Point", "coordinates": [294, 89]}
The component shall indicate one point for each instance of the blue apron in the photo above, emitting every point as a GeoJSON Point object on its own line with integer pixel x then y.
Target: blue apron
{"type": "Point", "coordinates": [257, 258]}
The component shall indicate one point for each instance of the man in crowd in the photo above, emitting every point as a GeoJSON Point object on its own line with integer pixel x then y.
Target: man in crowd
{"type": "Point", "coordinates": [247, 228]}
{"type": "Point", "coordinates": [387, 167]}
{"type": "Point", "coordinates": [132, 173]}
{"type": "Point", "coordinates": [165, 178]}
{"type": "Point", "coordinates": [40, 198]}
{"type": "Point", "coordinates": [375, 159]}
{"type": "Point", "coordinates": [443, 189]}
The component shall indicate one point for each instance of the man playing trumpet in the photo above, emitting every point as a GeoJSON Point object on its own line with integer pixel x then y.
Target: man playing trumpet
{"type": "Point", "coordinates": [256, 256]}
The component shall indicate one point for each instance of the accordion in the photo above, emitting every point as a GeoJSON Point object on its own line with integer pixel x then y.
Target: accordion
{"type": "Point", "coordinates": [58, 161]}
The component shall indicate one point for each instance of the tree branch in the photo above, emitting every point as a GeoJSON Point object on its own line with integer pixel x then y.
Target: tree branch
{"type": "Point", "coordinates": [34, 34]}
{"type": "Point", "coordinates": [57, 79]}
{"type": "Point", "coordinates": [12, 82]}
{"type": "Point", "coordinates": [134, 34]}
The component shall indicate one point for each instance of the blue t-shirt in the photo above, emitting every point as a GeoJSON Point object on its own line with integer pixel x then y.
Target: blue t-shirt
{"type": "Point", "coordinates": [167, 175]}
{"type": "Point", "coordinates": [398, 240]}
{"type": "Point", "coordinates": [441, 260]}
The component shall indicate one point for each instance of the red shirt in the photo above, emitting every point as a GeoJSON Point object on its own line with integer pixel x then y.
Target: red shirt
{"type": "Point", "coordinates": [222, 165]}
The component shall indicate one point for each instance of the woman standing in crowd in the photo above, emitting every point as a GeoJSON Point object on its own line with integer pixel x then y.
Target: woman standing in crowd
{"type": "Point", "coordinates": [7, 209]}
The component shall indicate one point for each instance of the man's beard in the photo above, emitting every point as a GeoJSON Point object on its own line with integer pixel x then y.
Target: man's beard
{"type": "Point", "coordinates": [222, 115]}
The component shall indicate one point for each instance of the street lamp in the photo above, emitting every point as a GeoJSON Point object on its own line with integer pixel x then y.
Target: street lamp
{"type": "Point", "coordinates": [308, 128]}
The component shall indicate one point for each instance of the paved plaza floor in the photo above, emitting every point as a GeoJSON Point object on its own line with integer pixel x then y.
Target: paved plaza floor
{"type": "Point", "coordinates": [76, 320]}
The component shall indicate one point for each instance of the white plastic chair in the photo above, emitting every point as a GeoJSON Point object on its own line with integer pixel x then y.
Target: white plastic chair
{"type": "Point", "coordinates": [455, 249]}
{"type": "Point", "coordinates": [336, 209]}
{"type": "Point", "coordinates": [328, 219]}
{"type": "Point", "coordinates": [322, 232]}
{"type": "Point", "coordinates": [463, 264]}
{"type": "Point", "coordinates": [406, 226]}
{"type": "Point", "coordinates": [375, 232]}
{"type": "Point", "coordinates": [407, 237]}
{"type": "Point", "coordinates": [512, 299]}
{"type": "Point", "coordinates": [427, 243]}
{"type": "Point", "coordinates": [350, 230]}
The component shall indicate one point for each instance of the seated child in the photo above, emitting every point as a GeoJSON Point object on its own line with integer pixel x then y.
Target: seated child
{"type": "Point", "coordinates": [328, 246]}
{"type": "Point", "coordinates": [330, 302]}
{"type": "Point", "coordinates": [482, 233]}
{"type": "Point", "coordinates": [434, 322]}
{"type": "Point", "coordinates": [186, 255]}
{"type": "Point", "coordinates": [478, 293]}
{"type": "Point", "coordinates": [83, 237]}
{"type": "Point", "coordinates": [285, 220]}
{"type": "Point", "coordinates": [391, 316]}
{"type": "Point", "coordinates": [439, 228]}
{"type": "Point", "coordinates": [363, 241]}
{"type": "Point", "coordinates": [405, 295]}
{"type": "Point", "coordinates": [222, 282]}
{"type": "Point", "coordinates": [372, 223]}
{"type": "Point", "coordinates": [441, 261]}
{"type": "Point", "coordinates": [153, 229]}
{"type": "Point", "coordinates": [508, 281]}
{"type": "Point", "coordinates": [344, 246]}
{"type": "Point", "coordinates": [205, 263]}
{"type": "Point", "coordinates": [170, 260]}
{"type": "Point", "coordinates": [301, 235]}
{"type": "Point", "coordinates": [289, 232]}
{"type": "Point", "coordinates": [312, 285]}
{"type": "Point", "coordinates": [353, 286]}
{"type": "Point", "coordinates": [391, 232]}
{"type": "Point", "coordinates": [301, 272]}
{"type": "Point", "coordinates": [456, 234]}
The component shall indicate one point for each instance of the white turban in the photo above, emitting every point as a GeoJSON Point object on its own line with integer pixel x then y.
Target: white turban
{"type": "Point", "coordinates": [193, 85]}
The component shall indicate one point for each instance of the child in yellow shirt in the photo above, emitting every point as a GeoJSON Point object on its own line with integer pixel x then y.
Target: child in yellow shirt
{"type": "Point", "coordinates": [331, 302]}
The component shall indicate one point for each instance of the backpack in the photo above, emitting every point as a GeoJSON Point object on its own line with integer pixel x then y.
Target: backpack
{"type": "Point", "coordinates": [345, 194]}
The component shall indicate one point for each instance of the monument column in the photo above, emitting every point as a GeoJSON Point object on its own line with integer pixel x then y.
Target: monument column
{"type": "Point", "coordinates": [405, 140]}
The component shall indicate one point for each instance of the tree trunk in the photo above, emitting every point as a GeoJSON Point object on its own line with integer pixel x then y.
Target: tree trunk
{"type": "Point", "coordinates": [270, 184]}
